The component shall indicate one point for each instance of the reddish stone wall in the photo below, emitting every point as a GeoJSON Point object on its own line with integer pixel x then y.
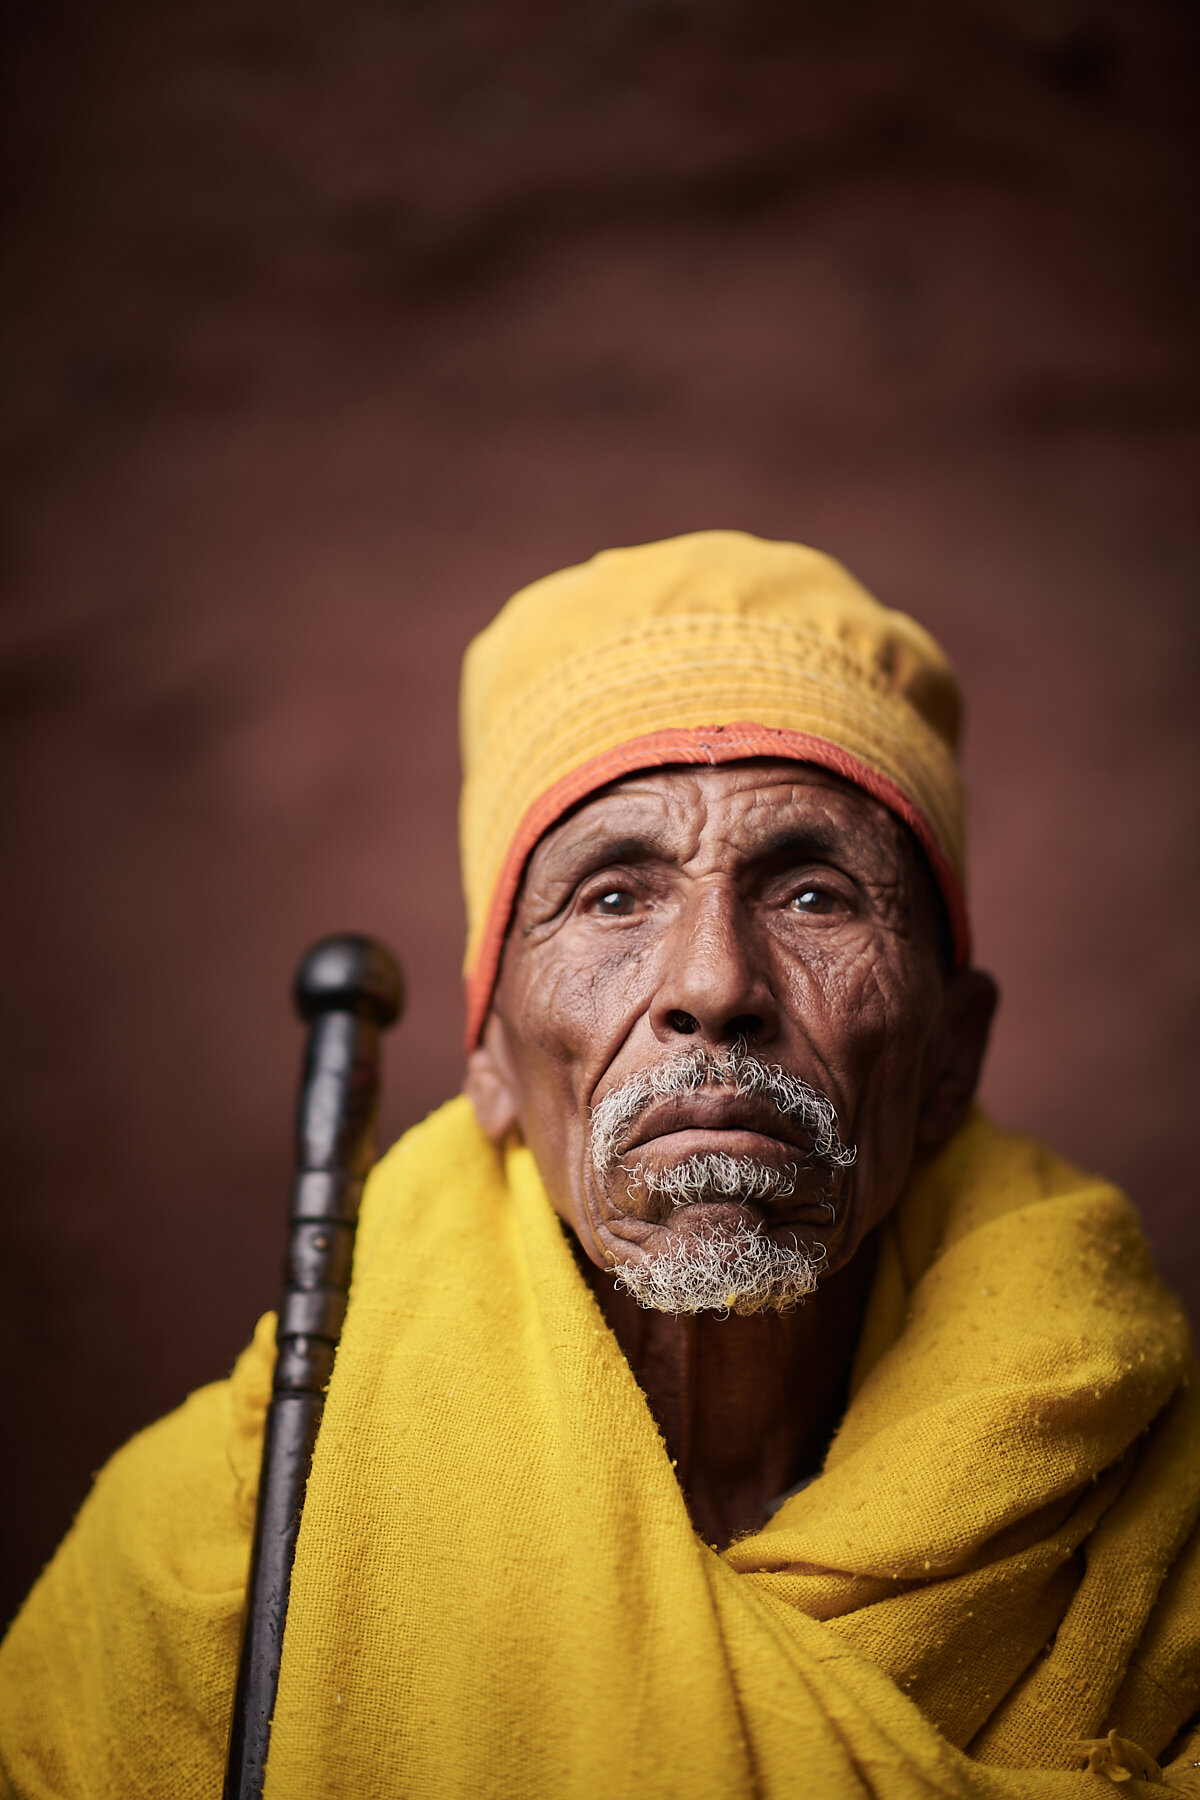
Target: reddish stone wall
{"type": "Point", "coordinates": [326, 327]}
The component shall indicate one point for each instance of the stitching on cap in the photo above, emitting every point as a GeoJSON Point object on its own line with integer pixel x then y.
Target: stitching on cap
{"type": "Point", "coordinates": [777, 643]}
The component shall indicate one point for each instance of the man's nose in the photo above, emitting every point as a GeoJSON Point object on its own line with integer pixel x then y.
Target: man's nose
{"type": "Point", "coordinates": [714, 983]}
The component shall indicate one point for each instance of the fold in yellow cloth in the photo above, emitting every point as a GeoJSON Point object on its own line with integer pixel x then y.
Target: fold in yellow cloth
{"type": "Point", "coordinates": [497, 1587]}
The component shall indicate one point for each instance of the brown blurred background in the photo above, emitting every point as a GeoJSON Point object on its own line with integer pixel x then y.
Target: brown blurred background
{"type": "Point", "coordinates": [326, 326]}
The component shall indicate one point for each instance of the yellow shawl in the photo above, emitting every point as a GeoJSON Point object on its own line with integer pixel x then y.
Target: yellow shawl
{"type": "Point", "coordinates": [497, 1588]}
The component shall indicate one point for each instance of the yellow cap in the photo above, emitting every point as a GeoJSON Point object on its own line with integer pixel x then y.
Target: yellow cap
{"type": "Point", "coordinates": [708, 648]}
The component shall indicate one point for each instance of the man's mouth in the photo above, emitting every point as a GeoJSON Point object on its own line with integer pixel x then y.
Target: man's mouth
{"type": "Point", "coordinates": [726, 1148]}
{"type": "Point", "coordinates": [729, 1105]}
{"type": "Point", "coordinates": [715, 1121]}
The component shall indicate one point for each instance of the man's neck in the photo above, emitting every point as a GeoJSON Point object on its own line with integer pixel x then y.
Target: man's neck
{"type": "Point", "coordinates": [746, 1406]}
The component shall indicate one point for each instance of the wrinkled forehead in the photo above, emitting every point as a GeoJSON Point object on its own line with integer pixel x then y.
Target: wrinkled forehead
{"type": "Point", "coordinates": [736, 812]}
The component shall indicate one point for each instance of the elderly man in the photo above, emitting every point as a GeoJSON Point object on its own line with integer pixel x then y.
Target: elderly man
{"type": "Point", "coordinates": [725, 1407]}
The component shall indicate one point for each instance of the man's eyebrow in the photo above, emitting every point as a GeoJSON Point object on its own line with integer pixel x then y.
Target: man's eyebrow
{"type": "Point", "coordinates": [797, 843]}
{"type": "Point", "coordinates": [600, 847]}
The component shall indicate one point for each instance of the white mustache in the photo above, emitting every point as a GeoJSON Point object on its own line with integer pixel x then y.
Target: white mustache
{"type": "Point", "coordinates": [738, 1072]}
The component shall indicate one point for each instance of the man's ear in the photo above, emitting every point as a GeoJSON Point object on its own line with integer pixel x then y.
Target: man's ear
{"type": "Point", "coordinates": [957, 1055]}
{"type": "Point", "coordinates": [489, 1083]}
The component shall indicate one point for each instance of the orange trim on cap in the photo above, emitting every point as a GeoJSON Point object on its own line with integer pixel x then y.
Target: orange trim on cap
{"type": "Point", "coordinates": [710, 744]}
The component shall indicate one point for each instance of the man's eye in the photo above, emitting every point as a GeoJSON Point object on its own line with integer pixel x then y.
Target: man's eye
{"type": "Point", "coordinates": [616, 904]}
{"type": "Point", "coordinates": [812, 900]}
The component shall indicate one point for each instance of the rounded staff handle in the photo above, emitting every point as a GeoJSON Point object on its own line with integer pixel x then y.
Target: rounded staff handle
{"type": "Point", "coordinates": [347, 990]}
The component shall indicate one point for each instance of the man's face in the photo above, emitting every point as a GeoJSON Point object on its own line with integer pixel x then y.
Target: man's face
{"type": "Point", "coordinates": [686, 913]}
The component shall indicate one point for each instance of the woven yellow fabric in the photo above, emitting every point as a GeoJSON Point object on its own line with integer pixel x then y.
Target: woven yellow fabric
{"type": "Point", "coordinates": [608, 667]}
{"type": "Point", "coordinates": [117, 1677]}
{"type": "Point", "coordinates": [498, 1591]}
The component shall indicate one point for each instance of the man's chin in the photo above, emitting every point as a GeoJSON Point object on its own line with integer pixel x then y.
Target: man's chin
{"type": "Point", "coordinates": [716, 1257]}
{"type": "Point", "coordinates": [653, 1232]}
{"type": "Point", "coordinates": [653, 1226]}
{"type": "Point", "coordinates": [634, 1214]}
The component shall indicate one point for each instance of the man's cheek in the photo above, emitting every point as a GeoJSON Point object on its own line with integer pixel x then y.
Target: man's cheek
{"type": "Point", "coordinates": [864, 1018]}
{"type": "Point", "coordinates": [888, 1051]}
{"type": "Point", "coordinates": [585, 1005]}
{"type": "Point", "coordinates": [840, 1029]}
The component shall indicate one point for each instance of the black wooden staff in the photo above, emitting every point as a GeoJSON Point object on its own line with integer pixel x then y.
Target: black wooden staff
{"type": "Point", "coordinates": [347, 990]}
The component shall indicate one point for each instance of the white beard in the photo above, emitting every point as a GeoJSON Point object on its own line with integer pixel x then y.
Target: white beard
{"type": "Point", "coordinates": [721, 1268]}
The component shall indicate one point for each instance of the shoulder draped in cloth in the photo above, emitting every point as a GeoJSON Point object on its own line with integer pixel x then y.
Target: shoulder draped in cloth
{"type": "Point", "coordinates": [498, 1591]}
